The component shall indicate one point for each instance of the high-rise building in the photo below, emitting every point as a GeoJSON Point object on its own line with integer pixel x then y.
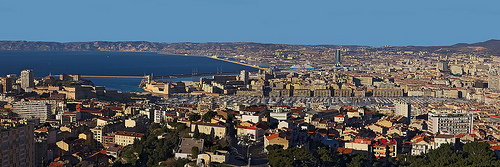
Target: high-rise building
{"type": "Point", "coordinates": [337, 57]}
{"type": "Point", "coordinates": [450, 123]}
{"type": "Point", "coordinates": [7, 83]}
{"type": "Point", "coordinates": [403, 109]}
{"type": "Point", "coordinates": [17, 145]}
{"type": "Point", "coordinates": [244, 76]}
{"type": "Point", "coordinates": [27, 79]}
{"type": "Point", "coordinates": [32, 109]}
{"type": "Point", "coordinates": [442, 66]}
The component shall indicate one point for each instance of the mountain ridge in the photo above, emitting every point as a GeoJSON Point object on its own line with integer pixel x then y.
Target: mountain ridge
{"type": "Point", "coordinates": [215, 48]}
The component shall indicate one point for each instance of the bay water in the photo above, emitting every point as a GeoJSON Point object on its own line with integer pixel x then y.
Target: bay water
{"type": "Point", "coordinates": [44, 63]}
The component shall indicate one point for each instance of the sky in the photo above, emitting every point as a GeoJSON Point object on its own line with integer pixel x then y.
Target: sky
{"type": "Point", "coordinates": [312, 22]}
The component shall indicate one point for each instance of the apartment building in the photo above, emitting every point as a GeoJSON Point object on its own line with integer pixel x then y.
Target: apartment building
{"type": "Point", "coordinates": [454, 123]}
{"type": "Point", "coordinates": [18, 145]}
{"type": "Point", "coordinates": [126, 138]}
{"type": "Point", "coordinates": [216, 130]}
{"type": "Point", "coordinates": [388, 92]}
{"type": "Point", "coordinates": [32, 109]}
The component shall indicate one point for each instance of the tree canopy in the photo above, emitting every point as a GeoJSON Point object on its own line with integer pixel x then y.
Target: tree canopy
{"type": "Point", "coordinates": [472, 154]}
{"type": "Point", "coordinates": [150, 150]}
{"type": "Point", "coordinates": [194, 117]}
{"type": "Point", "coordinates": [207, 117]}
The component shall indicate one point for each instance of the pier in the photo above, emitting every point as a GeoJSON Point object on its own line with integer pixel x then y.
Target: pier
{"type": "Point", "coordinates": [160, 76]}
{"type": "Point", "coordinates": [235, 62]}
{"type": "Point", "coordinates": [178, 75]}
{"type": "Point", "coordinates": [111, 76]}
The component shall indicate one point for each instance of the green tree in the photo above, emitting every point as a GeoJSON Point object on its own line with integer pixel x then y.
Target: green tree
{"type": "Point", "coordinates": [215, 147]}
{"type": "Point", "coordinates": [274, 147]}
{"type": "Point", "coordinates": [478, 149]}
{"type": "Point", "coordinates": [262, 123]}
{"type": "Point", "coordinates": [196, 132]}
{"type": "Point", "coordinates": [473, 154]}
{"type": "Point", "coordinates": [194, 152]}
{"type": "Point", "coordinates": [359, 160]}
{"type": "Point", "coordinates": [207, 117]}
{"type": "Point", "coordinates": [479, 154]}
{"type": "Point", "coordinates": [302, 154]}
{"type": "Point", "coordinates": [325, 155]}
{"type": "Point", "coordinates": [194, 117]}
{"type": "Point", "coordinates": [150, 150]}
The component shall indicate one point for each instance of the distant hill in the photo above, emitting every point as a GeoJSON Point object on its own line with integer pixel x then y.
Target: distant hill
{"type": "Point", "coordinates": [493, 43]}
{"type": "Point", "coordinates": [231, 48]}
{"type": "Point", "coordinates": [209, 48]}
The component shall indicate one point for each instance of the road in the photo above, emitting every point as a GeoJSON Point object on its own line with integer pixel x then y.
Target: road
{"type": "Point", "coordinates": [258, 156]}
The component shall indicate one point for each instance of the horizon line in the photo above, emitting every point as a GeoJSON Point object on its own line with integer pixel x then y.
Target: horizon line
{"type": "Point", "coordinates": [238, 42]}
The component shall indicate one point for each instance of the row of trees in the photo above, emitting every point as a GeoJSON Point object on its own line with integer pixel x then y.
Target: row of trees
{"type": "Point", "coordinates": [322, 156]}
{"type": "Point", "coordinates": [207, 117]}
{"type": "Point", "coordinates": [470, 154]}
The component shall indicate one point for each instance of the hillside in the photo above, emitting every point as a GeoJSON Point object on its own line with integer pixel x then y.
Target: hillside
{"type": "Point", "coordinates": [234, 48]}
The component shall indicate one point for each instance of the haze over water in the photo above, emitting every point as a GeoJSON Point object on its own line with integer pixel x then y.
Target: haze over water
{"type": "Point", "coordinates": [110, 63]}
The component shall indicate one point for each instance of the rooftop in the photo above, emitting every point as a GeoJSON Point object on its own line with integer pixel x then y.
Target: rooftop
{"type": "Point", "coordinates": [187, 144]}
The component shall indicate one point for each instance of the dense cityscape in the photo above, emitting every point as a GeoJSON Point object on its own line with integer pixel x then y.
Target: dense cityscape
{"type": "Point", "coordinates": [303, 105]}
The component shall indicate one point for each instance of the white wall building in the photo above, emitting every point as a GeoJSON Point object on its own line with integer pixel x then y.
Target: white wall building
{"type": "Point", "coordinates": [32, 109]}
{"type": "Point", "coordinates": [450, 123]}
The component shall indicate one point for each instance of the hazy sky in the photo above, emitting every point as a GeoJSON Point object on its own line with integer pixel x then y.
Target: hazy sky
{"type": "Point", "coordinates": [358, 22]}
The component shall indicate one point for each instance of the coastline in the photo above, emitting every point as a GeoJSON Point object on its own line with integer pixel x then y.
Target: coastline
{"type": "Point", "coordinates": [130, 66]}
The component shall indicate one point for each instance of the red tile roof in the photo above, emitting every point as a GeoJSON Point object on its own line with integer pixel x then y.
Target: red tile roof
{"type": "Point", "coordinates": [122, 133]}
{"type": "Point", "coordinates": [42, 130]}
{"type": "Point", "coordinates": [278, 135]}
{"type": "Point", "coordinates": [342, 150]}
{"type": "Point", "coordinates": [460, 135]}
{"type": "Point", "coordinates": [497, 147]}
{"type": "Point", "coordinates": [207, 124]}
{"type": "Point", "coordinates": [104, 119]}
{"type": "Point", "coordinates": [56, 164]}
{"type": "Point", "coordinates": [327, 111]}
{"type": "Point", "coordinates": [340, 116]}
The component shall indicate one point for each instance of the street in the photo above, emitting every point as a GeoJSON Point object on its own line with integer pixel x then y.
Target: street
{"type": "Point", "coordinates": [258, 156]}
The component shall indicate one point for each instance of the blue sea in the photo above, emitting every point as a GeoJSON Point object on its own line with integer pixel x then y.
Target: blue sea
{"type": "Point", "coordinates": [44, 63]}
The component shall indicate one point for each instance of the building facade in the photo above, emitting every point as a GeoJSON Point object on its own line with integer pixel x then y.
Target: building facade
{"type": "Point", "coordinates": [216, 130]}
{"type": "Point", "coordinates": [32, 109]}
{"type": "Point", "coordinates": [338, 57]}
{"type": "Point", "coordinates": [403, 109]}
{"type": "Point", "coordinates": [342, 92]}
{"type": "Point", "coordinates": [18, 146]}
{"type": "Point", "coordinates": [27, 79]}
{"type": "Point", "coordinates": [126, 138]}
{"type": "Point", "coordinates": [322, 93]}
{"type": "Point", "coordinates": [451, 123]}
{"type": "Point", "coordinates": [388, 92]}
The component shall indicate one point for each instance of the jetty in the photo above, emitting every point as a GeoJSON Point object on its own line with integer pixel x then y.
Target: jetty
{"type": "Point", "coordinates": [235, 62]}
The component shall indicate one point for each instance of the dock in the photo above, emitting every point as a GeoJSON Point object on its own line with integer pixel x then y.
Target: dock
{"type": "Point", "coordinates": [178, 75]}
{"type": "Point", "coordinates": [160, 76]}
{"type": "Point", "coordinates": [235, 62]}
{"type": "Point", "coordinates": [111, 76]}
